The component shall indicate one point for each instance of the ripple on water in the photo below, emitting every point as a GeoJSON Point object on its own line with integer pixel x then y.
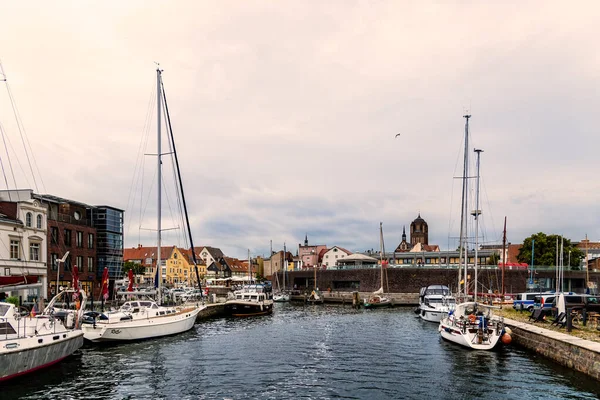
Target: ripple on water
{"type": "Point", "coordinates": [310, 352]}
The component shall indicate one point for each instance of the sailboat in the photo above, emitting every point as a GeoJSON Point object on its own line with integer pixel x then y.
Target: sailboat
{"type": "Point", "coordinates": [282, 296]}
{"type": "Point", "coordinates": [144, 319]}
{"type": "Point", "coordinates": [376, 300]}
{"type": "Point", "coordinates": [471, 324]}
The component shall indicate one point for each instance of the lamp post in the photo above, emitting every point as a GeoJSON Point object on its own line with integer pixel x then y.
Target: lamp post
{"type": "Point", "coordinates": [58, 262]}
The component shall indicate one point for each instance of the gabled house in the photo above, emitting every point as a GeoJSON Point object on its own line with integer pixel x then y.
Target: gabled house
{"type": "Point", "coordinates": [331, 256]}
{"type": "Point", "coordinates": [218, 269]}
{"type": "Point", "coordinates": [209, 254]}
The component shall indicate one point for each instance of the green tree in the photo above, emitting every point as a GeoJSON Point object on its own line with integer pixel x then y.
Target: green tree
{"type": "Point", "coordinates": [545, 250]}
{"type": "Point", "coordinates": [494, 259]}
{"type": "Point", "coordinates": [138, 269]}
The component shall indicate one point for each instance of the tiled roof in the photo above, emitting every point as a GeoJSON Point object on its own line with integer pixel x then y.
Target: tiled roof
{"type": "Point", "coordinates": [141, 253]}
{"type": "Point", "coordinates": [237, 265]}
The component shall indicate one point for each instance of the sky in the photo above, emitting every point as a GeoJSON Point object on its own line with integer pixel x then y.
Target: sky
{"type": "Point", "coordinates": [285, 115]}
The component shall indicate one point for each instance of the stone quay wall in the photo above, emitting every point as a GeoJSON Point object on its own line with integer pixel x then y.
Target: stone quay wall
{"type": "Point", "coordinates": [410, 280]}
{"type": "Point", "coordinates": [579, 354]}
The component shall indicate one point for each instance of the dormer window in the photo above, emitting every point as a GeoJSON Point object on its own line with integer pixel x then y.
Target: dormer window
{"type": "Point", "coordinates": [28, 219]}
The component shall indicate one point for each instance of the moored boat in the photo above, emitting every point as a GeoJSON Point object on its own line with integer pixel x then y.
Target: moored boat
{"type": "Point", "coordinates": [31, 342]}
{"type": "Point", "coordinates": [138, 320]}
{"type": "Point", "coordinates": [473, 325]}
{"type": "Point", "coordinates": [251, 300]}
{"type": "Point", "coordinates": [435, 301]}
{"type": "Point", "coordinates": [376, 299]}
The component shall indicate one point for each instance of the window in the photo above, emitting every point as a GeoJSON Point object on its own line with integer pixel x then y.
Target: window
{"type": "Point", "coordinates": [54, 260]}
{"type": "Point", "coordinates": [79, 239]}
{"type": "Point", "coordinates": [148, 261]}
{"type": "Point", "coordinates": [90, 240]}
{"type": "Point", "coordinates": [14, 250]}
{"type": "Point", "coordinates": [90, 264]}
{"type": "Point", "coordinates": [28, 218]}
{"type": "Point", "coordinates": [79, 263]}
{"type": "Point", "coordinates": [67, 237]}
{"type": "Point", "coordinates": [38, 223]}
{"type": "Point", "coordinates": [54, 234]}
{"type": "Point", "coordinates": [77, 215]}
{"type": "Point", "coordinates": [34, 251]}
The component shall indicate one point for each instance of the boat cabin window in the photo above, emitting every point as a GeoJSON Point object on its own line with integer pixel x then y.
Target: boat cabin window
{"type": "Point", "coordinates": [145, 303]}
{"type": "Point", "coordinates": [6, 329]}
{"type": "Point", "coordinates": [253, 297]}
{"type": "Point", "coordinates": [239, 296]}
{"type": "Point", "coordinates": [154, 305]}
{"type": "Point", "coordinates": [4, 309]}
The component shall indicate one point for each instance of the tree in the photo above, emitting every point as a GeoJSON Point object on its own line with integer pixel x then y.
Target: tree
{"type": "Point", "coordinates": [494, 259]}
{"type": "Point", "coordinates": [545, 251]}
{"type": "Point", "coordinates": [138, 269]}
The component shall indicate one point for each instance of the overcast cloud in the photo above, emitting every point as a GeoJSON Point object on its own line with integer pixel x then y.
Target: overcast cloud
{"type": "Point", "coordinates": [285, 113]}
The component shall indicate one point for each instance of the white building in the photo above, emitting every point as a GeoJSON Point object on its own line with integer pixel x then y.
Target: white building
{"type": "Point", "coordinates": [331, 256]}
{"type": "Point", "coordinates": [23, 248]}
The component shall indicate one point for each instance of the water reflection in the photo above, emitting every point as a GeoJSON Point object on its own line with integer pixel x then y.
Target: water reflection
{"type": "Point", "coordinates": [305, 352]}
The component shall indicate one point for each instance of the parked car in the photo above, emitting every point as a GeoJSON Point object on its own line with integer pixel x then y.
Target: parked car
{"type": "Point", "coordinates": [564, 301]}
{"type": "Point", "coordinates": [525, 301]}
{"type": "Point", "coordinates": [544, 301]}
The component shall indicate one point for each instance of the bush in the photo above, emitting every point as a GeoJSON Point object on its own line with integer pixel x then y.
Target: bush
{"type": "Point", "coordinates": [13, 300]}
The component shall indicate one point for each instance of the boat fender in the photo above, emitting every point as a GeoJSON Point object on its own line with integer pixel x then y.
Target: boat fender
{"type": "Point", "coordinates": [472, 318]}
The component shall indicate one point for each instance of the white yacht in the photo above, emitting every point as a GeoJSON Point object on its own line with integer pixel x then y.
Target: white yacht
{"type": "Point", "coordinates": [473, 325]}
{"type": "Point", "coordinates": [251, 300]}
{"type": "Point", "coordinates": [30, 342]}
{"type": "Point", "coordinates": [435, 301]}
{"type": "Point", "coordinates": [138, 320]}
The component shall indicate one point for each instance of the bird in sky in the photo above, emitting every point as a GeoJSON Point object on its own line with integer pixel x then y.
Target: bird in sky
{"type": "Point", "coordinates": [396, 135]}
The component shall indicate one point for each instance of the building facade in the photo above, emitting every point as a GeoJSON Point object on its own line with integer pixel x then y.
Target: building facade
{"type": "Point", "coordinates": [309, 255]}
{"type": "Point", "coordinates": [108, 222]}
{"type": "Point", "coordinates": [23, 256]}
{"type": "Point", "coordinates": [333, 255]}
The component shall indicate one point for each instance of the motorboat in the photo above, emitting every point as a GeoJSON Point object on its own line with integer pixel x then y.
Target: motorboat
{"type": "Point", "coordinates": [435, 301]}
{"type": "Point", "coordinates": [250, 300]}
{"type": "Point", "coordinates": [473, 325]}
{"type": "Point", "coordinates": [31, 342]}
{"type": "Point", "coordinates": [281, 297]}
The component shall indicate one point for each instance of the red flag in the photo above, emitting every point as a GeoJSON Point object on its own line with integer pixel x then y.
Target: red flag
{"type": "Point", "coordinates": [130, 288]}
{"type": "Point", "coordinates": [105, 283]}
{"type": "Point", "coordinates": [75, 282]}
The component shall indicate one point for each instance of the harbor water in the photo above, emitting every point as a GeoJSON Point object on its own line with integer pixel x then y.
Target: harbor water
{"type": "Point", "coordinates": [311, 352]}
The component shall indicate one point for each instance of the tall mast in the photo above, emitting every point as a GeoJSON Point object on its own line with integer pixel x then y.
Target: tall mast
{"type": "Point", "coordinates": [381, 250]}
{"type": "Point", "coordinates": [249, 268]}
{"type": "Point", "coordinates": [159, 186]}
{"type": "Point", "coordinates": [587, 270]}
{"type": "Point", "coordinates": [463, 210]}
{"type": "Point", "coordinates": [503, 256]}
{"type": "Point", "coordinates": [477, 212]}
{"type": "Point", "coordinates": [284, 265]}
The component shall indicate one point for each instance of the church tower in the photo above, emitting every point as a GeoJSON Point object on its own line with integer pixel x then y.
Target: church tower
{"type": "Point", "coordinates": [419, 232]}
{"type": "Point", "coordinates": [403, 246]}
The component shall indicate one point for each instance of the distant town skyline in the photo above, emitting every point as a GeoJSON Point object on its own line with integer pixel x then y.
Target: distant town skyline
{"type": "Point", "coordinates": [293, 136]}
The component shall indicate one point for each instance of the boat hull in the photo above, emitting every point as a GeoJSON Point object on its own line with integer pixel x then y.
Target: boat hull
{"type": "Point", "coordinates": [25, 355]}
{"type": "Point", "coordinates": [382, 304]}
{"type": "Point", "coordinates": [247, 309]}
{"type": "Point", "coordinates": [140, 329]}
{"type": "Point", "coordinates": [471, 338]}
{"type": "Point", "coordinates": [432, 315]}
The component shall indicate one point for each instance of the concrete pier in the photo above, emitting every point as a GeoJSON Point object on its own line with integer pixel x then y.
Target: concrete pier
{"type": "Point", "coordinates": [573, 352]}
{"type": "Point", "coordinates": [398, 299]}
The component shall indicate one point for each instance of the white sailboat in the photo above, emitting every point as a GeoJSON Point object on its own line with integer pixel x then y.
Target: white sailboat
{"type": "Point", "coordinates": [144, 319]}
{"type": "Point", "coordinates": [471, 324]}
{"type": "Point", "coordinates": [376, 299]}
{"type": "Point", "coordinates": [282, 295]}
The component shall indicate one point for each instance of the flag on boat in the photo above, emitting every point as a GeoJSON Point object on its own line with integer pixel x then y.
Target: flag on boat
{"type": "Point", "coordinates": [130, 287]}
{"type": "Point", "coordinates": [34, 310]}
{"type": "Point", "coordinates": [105, 284]}
{"type": "Point", "coordinates": [75, 282]}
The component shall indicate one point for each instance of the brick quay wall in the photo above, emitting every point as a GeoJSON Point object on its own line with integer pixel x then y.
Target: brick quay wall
{"type": "Point", "coordinates": [410, 280]}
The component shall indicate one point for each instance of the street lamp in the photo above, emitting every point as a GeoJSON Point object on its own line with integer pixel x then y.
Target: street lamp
{"type": "Point", "coordinates": [58, 262]}
{"type": "Point", "coordinates": [569, 258]}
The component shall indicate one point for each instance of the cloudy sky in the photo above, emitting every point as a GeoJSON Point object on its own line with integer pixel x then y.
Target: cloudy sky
{"type": "Point", "coordinates": [285, 113]}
